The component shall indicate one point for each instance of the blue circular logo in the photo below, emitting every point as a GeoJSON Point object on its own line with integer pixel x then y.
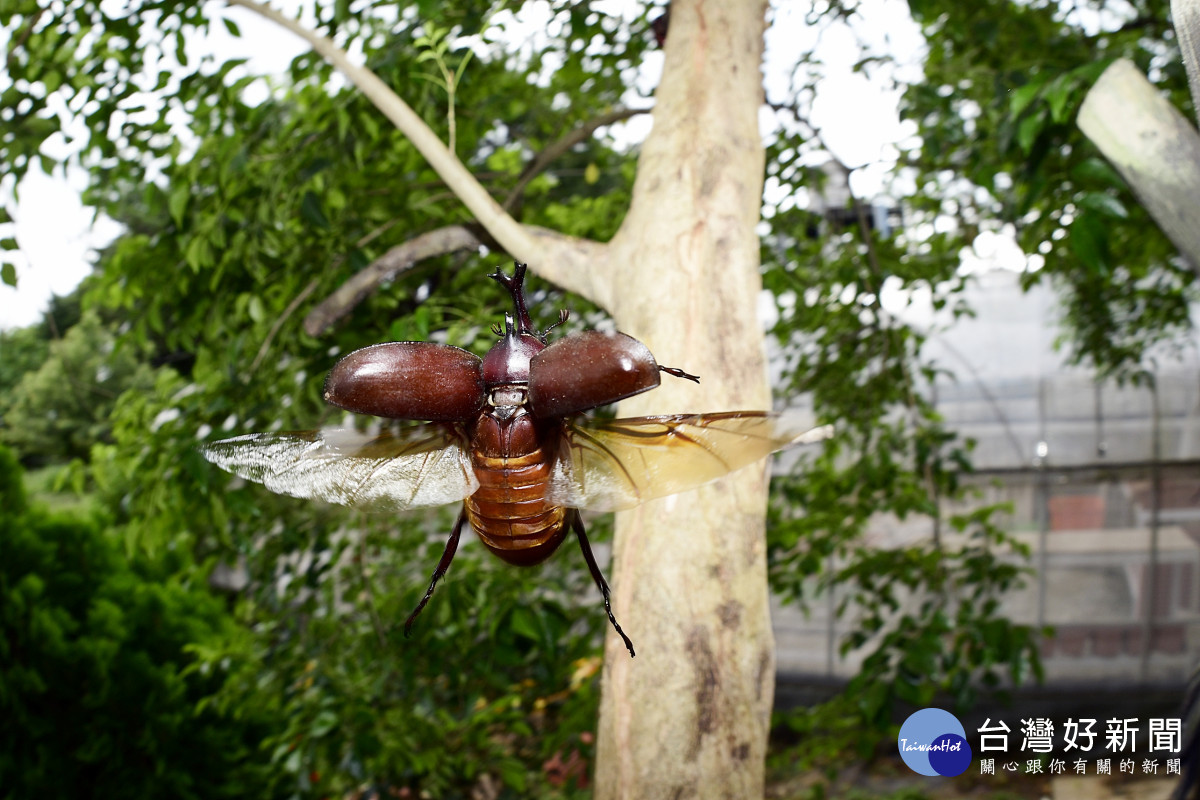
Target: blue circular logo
{"type": "Point", "coordinates": [933, 742]}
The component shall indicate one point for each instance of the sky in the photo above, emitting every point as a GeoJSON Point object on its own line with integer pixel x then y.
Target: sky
{"type": "Point", "coordinates": [57, 236]}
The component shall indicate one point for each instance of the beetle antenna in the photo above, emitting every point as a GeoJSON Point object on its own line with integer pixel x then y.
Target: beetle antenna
{"type": "Point", "coordinates": [496, 329]}
{"type": "Point", "coordinates": [516, 287]}
{"type": "Point", "coordinates": [678, 373]}
{"type": "Point", "coordinates": [563, 316]}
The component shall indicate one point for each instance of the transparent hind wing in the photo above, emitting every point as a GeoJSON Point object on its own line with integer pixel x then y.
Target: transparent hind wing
{"type": "Point", "coordinates": [607, 465]}
{"type": "Point", "coordinates": [424, 465]}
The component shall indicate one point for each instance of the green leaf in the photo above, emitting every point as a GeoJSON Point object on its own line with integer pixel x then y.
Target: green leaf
{"type": "Point", "coordinates": [255, 309]}
{"type": "Point", "coordinates": [1099, 170]}
{"type": "Point", "coordinates": [8, 274]}
{"type": "Point", "coordinates": [524, 622]}
{"type": "Point", "coordinates": [310, 209]}
{"type": "Point", "coordinates": [1057, 95]}
{"type": "Point", "coordinates": [512, 772]}
{"type": "Point", "coordinates": [1030, 129]}
{"type": "Point", "coordinates": [9, 244]}
{"type": "Point", "coordinates": [1104, 204]}
{"type": "Point", "coordinates": [1090, 73]}
{"type": "Point", "coordinates": [198, 254]}
{"type": "Point", "coordinates": [323, 724]}
{"type": "Point", "coordinates": [232, 27]}
{"type": "Point", "coordinates": [177, 203]}
{"type": "Point", "coordinates": [1019, 99]}
{"type": "Point", "coordinates": [1089, 242]}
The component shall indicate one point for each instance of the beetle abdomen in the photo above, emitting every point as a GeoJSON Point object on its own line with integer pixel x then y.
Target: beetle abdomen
{"type": "Point", "coordinates": [509, 510]}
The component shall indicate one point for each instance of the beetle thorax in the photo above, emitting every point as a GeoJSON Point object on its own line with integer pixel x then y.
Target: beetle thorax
{"type": "Point", "coordinates": [508, 401]}
{"type": "Point", "coordinates": [508, 360]}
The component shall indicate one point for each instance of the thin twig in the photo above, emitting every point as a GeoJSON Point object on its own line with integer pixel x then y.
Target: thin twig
{"type": "Point", "coordinates": [511, 235]}
{"type": "Point", "coordinates": [23, 38]}
{"type": "Point", "coordinates": [308, 290]}
{"type": "Point", "coordinates": [287, 312]}
{"type": "Point", "coordinates": [556, 149]}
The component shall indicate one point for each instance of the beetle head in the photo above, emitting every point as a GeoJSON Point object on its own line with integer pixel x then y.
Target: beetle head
{"type": "Point", "coordinates": [508, 360]}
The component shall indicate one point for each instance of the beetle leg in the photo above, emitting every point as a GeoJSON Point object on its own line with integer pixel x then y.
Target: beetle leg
{"type": "Point", "coordinates": [678, 373]}
{"type": "Point", "coordinates": [601, 584]}
{"type": "Point", "coordinates": [443, 565]}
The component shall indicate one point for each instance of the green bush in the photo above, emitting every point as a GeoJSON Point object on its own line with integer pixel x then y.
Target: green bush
{"type": "Point", "coordinates": [98, 692]}
{"type": "Point", "coordinates": [55, 410]}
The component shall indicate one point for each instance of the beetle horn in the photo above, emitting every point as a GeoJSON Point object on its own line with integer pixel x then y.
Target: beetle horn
{"type": "Point", "coordinates": [516, 287]}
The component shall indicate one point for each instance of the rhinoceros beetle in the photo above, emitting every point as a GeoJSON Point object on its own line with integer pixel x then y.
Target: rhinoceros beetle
{"type": "Point", "coordinates": [504, 435]}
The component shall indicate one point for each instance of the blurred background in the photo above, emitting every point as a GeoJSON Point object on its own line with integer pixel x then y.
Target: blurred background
{"type": "Point", "coordinates": [952, 275]}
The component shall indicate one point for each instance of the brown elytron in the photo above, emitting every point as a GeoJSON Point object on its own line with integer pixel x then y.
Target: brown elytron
{"type": "Point", "coordinates": [503, 435]}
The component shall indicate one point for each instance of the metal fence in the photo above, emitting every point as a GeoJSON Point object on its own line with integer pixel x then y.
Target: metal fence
{"type": "Point", "coordinates": [1104, 485]}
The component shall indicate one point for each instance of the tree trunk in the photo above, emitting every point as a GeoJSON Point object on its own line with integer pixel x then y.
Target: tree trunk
{"type": "Point", "coordinates": [1153, 147]}
{"type": "Point", "coordinates": [689, 716]}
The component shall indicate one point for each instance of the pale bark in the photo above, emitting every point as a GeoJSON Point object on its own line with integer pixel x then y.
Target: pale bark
{"type": "Point", "coordinates": [689, 716]}
{"type": "Point", "coordinates": [1185, 17]}
{"type": "Point", "coordinates": [1153, 147]}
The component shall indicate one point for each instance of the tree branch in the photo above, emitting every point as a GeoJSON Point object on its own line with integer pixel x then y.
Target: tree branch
{"type": "Point", "coordinates": [395, 261]}
{"type": "Point", "coordinates": [451, 238]}
{"type": "Point", "coordinates": [1154, 148]}
{"type": "Point", "coordinates": [562, 264]}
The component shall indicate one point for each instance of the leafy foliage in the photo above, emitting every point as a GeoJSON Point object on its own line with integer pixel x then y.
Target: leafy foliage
{"type": "Point", "coordinates": [359, 703]}
{"type": "Point", "coordinates": [26, 349]}
{"type": "Point", "coordinates": [239, 221]}
{"type": "Point", "coordinates": [926, 614]}
{"type": "Point", "coordinates": [60, 409]}
{"type": "Point", "coordinates": [312, 188]}
{"type": "Point", "coordinates": [96, 684]}
{"type": "Point", "coordinates": [998, 150]}
{"type": "Point", "coordinates": [997, 111]}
